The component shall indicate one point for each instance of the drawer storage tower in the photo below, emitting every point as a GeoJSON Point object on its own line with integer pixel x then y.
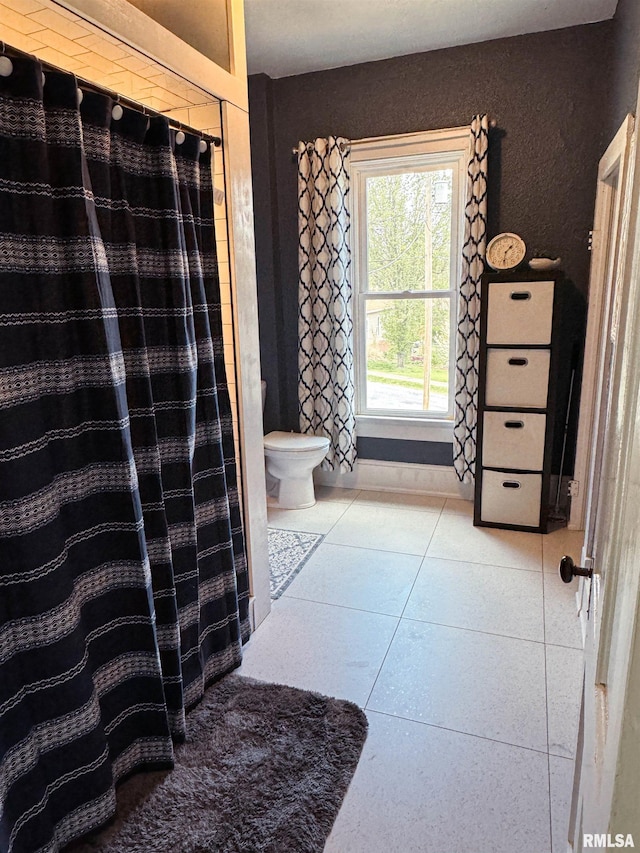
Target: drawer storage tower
{"type": "Point", "coordinates": [531, 337]}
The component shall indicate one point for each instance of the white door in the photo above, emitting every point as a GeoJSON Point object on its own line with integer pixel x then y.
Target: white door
{"type": "Point", "coordinates": [606, 794]}
{"type": "Point", "coordinates": [606, 287]}
{"type": "Point", "coordinates": [609, 240]}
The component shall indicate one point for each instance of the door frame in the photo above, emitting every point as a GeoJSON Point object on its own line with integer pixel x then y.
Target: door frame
{"type": "Point", "coordinates": [617, 158]}
{"type": "Point", "coordinates": [608, 772]}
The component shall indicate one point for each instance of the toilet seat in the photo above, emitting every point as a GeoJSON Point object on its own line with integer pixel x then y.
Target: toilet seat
{"type": "Point", "coordinates": [293, 442]}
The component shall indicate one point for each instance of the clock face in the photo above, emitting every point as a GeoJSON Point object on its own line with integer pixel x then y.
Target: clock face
{"type": "Point", "coordinates": [506, 251]}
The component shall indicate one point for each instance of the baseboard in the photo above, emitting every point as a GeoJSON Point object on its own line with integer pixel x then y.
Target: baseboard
{"type": "Point", "coordinates": [374, 475]}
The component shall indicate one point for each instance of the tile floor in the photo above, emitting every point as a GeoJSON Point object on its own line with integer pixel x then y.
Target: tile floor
{"type": "Point", "coordinates": [463, 646]}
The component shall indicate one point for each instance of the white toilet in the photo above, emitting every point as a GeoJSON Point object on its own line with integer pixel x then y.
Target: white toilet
{"type": "Point", "coordinates": [290, 460]}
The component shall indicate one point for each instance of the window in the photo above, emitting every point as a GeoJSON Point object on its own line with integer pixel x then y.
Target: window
{"type": "Point", "coordinates": [407, 215]}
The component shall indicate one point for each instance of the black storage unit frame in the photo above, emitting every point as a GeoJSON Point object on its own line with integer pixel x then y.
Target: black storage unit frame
{"type": "Point", "coordinates": [531, 338]}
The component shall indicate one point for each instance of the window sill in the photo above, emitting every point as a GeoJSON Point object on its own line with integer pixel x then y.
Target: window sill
{"type": "Point", "coordinates": [408, 429]}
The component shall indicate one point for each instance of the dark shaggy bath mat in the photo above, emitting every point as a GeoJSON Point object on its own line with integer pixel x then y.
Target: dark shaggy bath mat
{"type": "Point", "coordinates": [264, 768]}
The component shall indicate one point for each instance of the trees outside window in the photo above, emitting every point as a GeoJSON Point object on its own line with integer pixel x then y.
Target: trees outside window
{"type": "Point", "coordinates": [407, 233]}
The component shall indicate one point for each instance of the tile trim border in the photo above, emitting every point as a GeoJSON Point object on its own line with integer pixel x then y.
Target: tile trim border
{"type": "Point", "coordinates": [375, 475]}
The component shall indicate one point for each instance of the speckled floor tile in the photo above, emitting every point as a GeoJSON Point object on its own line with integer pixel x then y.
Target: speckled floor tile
{"type": "Point", "coordinates": [561, 781]}
{"type": "Point", "coordinates": [316, 519]}
{"type": "Point", "coordinates": [377, 581]}
{"type": "Point", "coordinates": [479, 597]}
{"type": "Point", "coordinates": [335, 493]}
{"type": "Point", "coordinates": [555, 545]}
{"type": "Point", "coordinates": [565, 669]}
{"type": "Point", "coordinates": [475, 683]}
{"type": "Point", "coordinates": [457, 506]}
{"type": "Point", "coordinates": [429, 503]}
{"type": "Point", "coordinates": [334, 650]}
{"type": "Point", "coordinates": [455, 538]}
{"type": "Point", "coordinates": [384, 528]}
{"type": "Point", "coordinates": [419, 789]}
{"type": "Point", "coordinates": [466, 667]}
{"type": "Point", "coordinates": [561, 622]}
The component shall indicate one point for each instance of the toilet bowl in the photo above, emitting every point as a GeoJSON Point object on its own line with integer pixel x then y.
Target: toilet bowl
{"type": "Point", "coordinates": [290, 459]}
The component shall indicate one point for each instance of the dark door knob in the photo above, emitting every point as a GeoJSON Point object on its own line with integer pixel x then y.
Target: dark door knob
{"type": "Point", "coordinates": [568, 570]}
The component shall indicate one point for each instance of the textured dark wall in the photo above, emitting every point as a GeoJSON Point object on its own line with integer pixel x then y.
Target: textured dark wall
{"type": "Point", "coordinates": [547, 92]}
{"type": "Point", "coordinates": [265, 209]}
{"type": "Point", "coordinates": [626, 63]}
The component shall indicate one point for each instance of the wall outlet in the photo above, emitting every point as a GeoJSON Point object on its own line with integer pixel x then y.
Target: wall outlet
{"type": "Point", "coordinates": [574, 488]}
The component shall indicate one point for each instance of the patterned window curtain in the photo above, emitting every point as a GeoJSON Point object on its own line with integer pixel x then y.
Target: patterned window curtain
{"type": "Point", "coordinates": [123, 584]}
{"type": "Point", "coordinates": [325, 321]}
{"type": "Point", "coordinates": [468, 333]}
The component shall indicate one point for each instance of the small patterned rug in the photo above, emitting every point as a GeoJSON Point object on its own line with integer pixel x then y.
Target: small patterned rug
{"type": "Point", "coordinates": [289, 550]}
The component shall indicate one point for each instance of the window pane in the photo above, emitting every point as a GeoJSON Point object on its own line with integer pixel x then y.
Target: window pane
{"type": "Point", "coordinates": [407, 355]}
{"type": "Point", "coordinates": [409, 231]}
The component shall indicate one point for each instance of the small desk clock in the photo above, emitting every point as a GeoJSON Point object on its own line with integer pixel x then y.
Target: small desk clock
{"type": "Point", "coordinates": [505, 251]}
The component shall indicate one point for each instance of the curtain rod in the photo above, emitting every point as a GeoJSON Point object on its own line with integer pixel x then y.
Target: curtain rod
{"type": "Point", "coordinates": [122, 99]}
{"type": "Point", "coordinates": [492, 123]}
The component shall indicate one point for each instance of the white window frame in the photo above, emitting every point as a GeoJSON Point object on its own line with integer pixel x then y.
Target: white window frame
{"type": "Point", "coordinates": [385, 155]}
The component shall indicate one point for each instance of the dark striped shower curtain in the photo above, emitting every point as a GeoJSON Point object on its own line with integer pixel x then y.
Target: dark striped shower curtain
{"type": "Point", "coordinates": [123, 577]}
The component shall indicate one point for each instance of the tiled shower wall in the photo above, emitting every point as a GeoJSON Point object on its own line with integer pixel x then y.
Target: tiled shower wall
{"type": "Point", "coordinates": [55, 35]}
{"type": "Point", "coordinates": [64, 39]}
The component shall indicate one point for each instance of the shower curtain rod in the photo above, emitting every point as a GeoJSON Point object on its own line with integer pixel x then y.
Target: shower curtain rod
{"type": "Point", "coordinates": [121, 99]}
{"type": "Point", "coordinates": [294, 151]}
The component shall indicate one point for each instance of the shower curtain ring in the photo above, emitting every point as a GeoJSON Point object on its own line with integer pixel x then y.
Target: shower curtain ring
{"type": "Point", "coordinates": [6, 65]}
{"type": "Point", "coordinates": [79, 92]}
{"type": "Point", "coordinates": [117, 112]}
